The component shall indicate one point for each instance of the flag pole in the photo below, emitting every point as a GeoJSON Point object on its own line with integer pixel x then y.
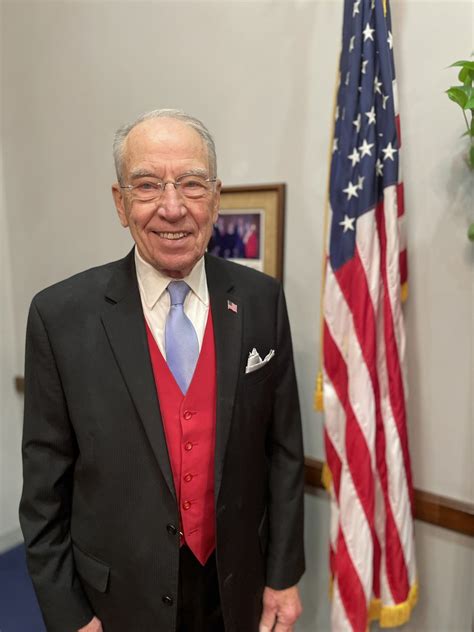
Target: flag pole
{"type": "Point", "coordinates": [318, 392]}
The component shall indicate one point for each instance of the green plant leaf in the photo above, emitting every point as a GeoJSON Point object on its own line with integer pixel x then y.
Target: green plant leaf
{"type": "Point", "coordinates": [466, 76]}
{"type": "Point", "coordinates": [470, 232]}
{"type": "Point", "coordinates": [470, 103]}
{"type": "Point", "coordinates": [457, 95]}
{"type": "Point", "coordinates": [464, 63]}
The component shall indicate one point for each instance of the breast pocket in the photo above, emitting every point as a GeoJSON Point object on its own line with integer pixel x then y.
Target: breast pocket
{"type": "Point", "coordinates": [259, 375]}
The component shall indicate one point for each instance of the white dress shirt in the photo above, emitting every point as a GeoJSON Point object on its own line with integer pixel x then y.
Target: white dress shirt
{"type": "Point", "coordinates": [156, 300]}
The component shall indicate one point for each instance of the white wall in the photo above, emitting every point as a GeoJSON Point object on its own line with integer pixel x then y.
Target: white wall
{"type": "Point", "coordinates": [10, 402]}
{"type": "Point", "coordinates": [261, 74]}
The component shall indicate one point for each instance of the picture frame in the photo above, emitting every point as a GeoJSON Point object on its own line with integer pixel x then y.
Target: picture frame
{"type": "Point", "coordinates": [250, 227]}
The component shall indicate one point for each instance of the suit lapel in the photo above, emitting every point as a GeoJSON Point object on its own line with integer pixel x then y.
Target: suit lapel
{"type": "Point", "coordinates": [125, 327]}
{"type": "Point", "coordinates": [227, 325]}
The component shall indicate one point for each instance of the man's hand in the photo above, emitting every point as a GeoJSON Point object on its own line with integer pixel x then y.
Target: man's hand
{"type": "Point", "coordinates": [281, 609]}
{"type": "Point", "coordinates": [93, 626]}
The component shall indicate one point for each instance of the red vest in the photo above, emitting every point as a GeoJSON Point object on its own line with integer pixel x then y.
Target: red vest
{"type": "Point", "coordinates": [190, 428]}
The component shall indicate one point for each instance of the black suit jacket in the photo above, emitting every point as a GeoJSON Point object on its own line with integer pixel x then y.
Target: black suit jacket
{"type": "Point", "coordinates": [98, 509]}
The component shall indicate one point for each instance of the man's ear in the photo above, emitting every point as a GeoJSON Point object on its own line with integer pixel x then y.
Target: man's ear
{"type": "Point", "coordinates": [216, 202]}
{"type": "Point", "coordinates": [117, 193]}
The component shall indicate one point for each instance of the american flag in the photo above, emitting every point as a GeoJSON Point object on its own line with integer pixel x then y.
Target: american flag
{"type": "Point", "coordinates": [232, 306]}
{"type": "Point", "coordinates": [372, 557]}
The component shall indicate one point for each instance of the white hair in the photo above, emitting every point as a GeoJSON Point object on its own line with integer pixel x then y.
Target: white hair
{"type": "Point", "coordinates": [122, 133]}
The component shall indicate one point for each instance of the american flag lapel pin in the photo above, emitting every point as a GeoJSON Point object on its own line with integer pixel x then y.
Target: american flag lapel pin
{"type": "Point", "coordinates": [232, 306]}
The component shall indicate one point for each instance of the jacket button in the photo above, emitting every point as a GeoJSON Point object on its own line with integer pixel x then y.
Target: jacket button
{"type": "Point", "coordinates": [188, 446]}
{"type": "Point", "coordinates": [186, 505]}
{"type": "Point", "coordinates": [187, 415]}
{"type": "Point", "coordinates": [188, 478]}
{"type": "Point", "coordinates": [172, 530]}
{"type": "Point", "coordinates": [167, 600]}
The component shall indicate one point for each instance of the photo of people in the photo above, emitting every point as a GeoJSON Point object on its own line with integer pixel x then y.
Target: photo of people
{"type": "Point", "coordinates": [238, 236]}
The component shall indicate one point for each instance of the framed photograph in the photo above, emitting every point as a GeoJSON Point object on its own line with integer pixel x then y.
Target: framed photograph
{"type": "Point", "coordinates": [250, 227]}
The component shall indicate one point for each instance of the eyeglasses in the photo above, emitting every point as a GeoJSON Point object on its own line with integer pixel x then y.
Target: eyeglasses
{"type": "Point", "coordinates": [190, 187]}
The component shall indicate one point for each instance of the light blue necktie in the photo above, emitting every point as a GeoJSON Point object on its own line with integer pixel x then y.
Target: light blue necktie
{"type": "Point", "coordinates": [181, 343]}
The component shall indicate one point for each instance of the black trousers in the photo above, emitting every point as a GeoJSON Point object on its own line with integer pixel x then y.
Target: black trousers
{"type": "Point", "coordinates": [199, 606]}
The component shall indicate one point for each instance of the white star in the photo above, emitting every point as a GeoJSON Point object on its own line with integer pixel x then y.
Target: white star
{"type": "Point", "coordinates": [357, 123]}
{"type": "Point", "coordinates": [355, 8]}
{"type": "Point", "coordinates": [354, 157]}
{"type": "Point", "coordinates": [368, 32]}
{"type": "Point", "coordinates": [348, 78]}
{"type": "Point", "coordinates": [337, 112]}
{"type": "Point", "coordinates": [385, 98]}
{"type": "Point", "coordinates": [364, 66]}
{"type": "Point", "coordinates": [390, 40]}
{"type": "Point", "coordinates": [351, 43]}
{"type": "Point", "coordinates": [335, 144]}
{"type": "Point", "coordinates": [348, 223]}
{"type": "Point", "coordinates": [351, 190]}
{"type": "Point", "coordinates": [360, 183]}
{"type": "Point", "coordinates": [365, 148]}
{"type": "Point", "coordinates": [389, 152]}
{"type": "Point", "coordinates": [371, 116]}
{"type": "Point", "coordinates": [377, 85]}
{"type": "Point", "coordinates": [372, 6]}
{"type": "Point", "coordinates": [379, 167]}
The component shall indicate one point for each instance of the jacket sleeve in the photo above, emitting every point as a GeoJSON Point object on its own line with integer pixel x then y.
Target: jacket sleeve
{"type": "Point", "coordinates": [285, 553]}
{"type": "Point", "coordinates": [49, 453]}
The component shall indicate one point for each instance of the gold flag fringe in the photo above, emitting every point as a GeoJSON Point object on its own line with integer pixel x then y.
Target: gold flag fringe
{"type": "Point", "coordinates": [393, 616]}
{"type": "Point", "coordinates": [404, 292]}
{"type": "Point", "coordinates": [318, 394]}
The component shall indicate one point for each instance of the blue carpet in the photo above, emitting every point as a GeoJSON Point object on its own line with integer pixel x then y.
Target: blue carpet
{"type": "Point", "coordinates": [19, 611]}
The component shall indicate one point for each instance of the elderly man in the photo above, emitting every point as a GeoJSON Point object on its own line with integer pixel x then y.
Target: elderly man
{"type": "Point", "coordinates": [163, 485]}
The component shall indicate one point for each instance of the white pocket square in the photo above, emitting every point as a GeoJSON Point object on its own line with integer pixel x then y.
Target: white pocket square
{"type": "Point", "coordinates": [255, 362]}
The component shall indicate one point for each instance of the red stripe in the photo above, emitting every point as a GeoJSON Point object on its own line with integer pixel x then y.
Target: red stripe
{"type": "Point", "coordinates": [399, 131]}
{"type": "Point", "coordinates": [332, 561]}
{"type": "Point", "coordinates": [334, 463]}
{"type": "Point", "coordinates": [400, 190]}
{"type": "Point", "coordinates": [403, 261]}
{"type": "Point", "coordinates": [351, 591]}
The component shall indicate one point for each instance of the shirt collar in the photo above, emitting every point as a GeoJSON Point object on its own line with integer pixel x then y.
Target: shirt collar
{"type": "Point", "coordinates": [153, 283]}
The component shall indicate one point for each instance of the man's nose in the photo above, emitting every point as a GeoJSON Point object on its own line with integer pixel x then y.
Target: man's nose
{"type": "Point", "coordinates": [171, 205]}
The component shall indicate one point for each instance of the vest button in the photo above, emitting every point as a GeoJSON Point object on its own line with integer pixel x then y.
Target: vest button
{"type": "Point", "coordinates": [186, 505]}
{"type": "Point", "coordinates": [167, 600]}
{"type": "Point", "coordinates": [188, 446]}
{"type": "Point", "coordinates": [187, 415]}
{"type": "Point", "coordinates": [188, 478]}
{"type": "Point", "coordinates": [172, 530]}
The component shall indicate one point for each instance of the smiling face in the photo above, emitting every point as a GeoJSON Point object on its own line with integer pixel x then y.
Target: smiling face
{"type": "Point", "coordinates": [171, 233]}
